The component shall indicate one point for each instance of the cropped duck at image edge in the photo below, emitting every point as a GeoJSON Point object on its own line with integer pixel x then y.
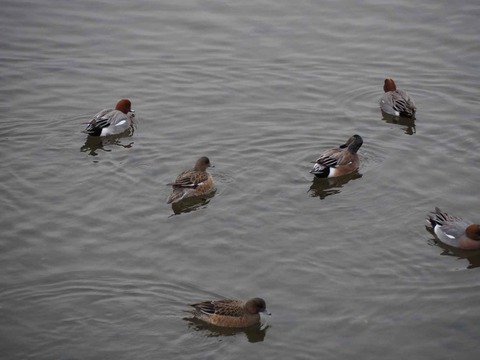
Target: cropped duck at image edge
{"type": "Point", "coordinates": [454, 231]}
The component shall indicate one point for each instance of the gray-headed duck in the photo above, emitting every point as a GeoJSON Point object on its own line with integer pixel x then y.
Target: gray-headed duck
{"type": "Point", "coordinates": [339, 161]}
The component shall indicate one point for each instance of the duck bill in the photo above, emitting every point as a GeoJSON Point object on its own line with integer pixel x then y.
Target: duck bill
{"type": "Point", "coordinates": [264, 315]}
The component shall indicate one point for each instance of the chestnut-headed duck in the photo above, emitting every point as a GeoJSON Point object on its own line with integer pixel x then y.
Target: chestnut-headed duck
{"type": "Point", "coordinates": [232, 313]}
{"type": "Point", "coordinates": [111, 121]}
{"type": "Point", "coordinates": [194, 182]}
{"type": "Point", "coordinates": [396, 102]}
{"type": "Point", "coordinates": [339, 161]}
{"type": "Point", "coordinates": [454, 231]}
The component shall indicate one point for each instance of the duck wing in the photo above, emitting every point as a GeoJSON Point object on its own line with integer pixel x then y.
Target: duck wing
{"type": "Point", "coordinates": [190, 179]}
{"type": "Point", "coordinates": [403, 103]}
{"type": "Point", "coordinates": [450, 226]}
{"type": "Point", "coordinates": [220, 307]}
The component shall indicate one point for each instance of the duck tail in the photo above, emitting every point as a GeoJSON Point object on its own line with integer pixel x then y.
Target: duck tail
{"type": "Point", "coordinates": [436, 218]}
{"type": "Point", "coordinates": [176, 195]}
{"type": "Point", "coordinates": [407, 114]}
{"type": "Point", "coordinates": [95, 126]}
{"type": "Point", "coordinates": [92, 130]}
{"type": "Point", "coordinates": [320, 171]}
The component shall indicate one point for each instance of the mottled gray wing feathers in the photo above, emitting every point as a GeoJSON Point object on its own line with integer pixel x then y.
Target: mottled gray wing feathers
{"type": "Point", "coordinates": [401, 102]}
{"type": "Point", "coordinates": [451, 225]}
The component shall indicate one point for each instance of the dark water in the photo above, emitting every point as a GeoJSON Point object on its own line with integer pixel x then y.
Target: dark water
{"type": "Point", "coordinates": [95, 265]}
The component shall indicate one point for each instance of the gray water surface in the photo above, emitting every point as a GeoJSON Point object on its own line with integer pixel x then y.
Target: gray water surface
{"type": "Point", "coordinates": [95, 265]}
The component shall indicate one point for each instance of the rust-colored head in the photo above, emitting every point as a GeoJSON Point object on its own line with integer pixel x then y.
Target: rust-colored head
{"type": "Point", "coordinates": [202, 164]}
{"type": "Point", "coordinates": [473, 232]}
{"type": "Point", "coordinates": [124, 105]}
{"type": "Point", "coordinates": [389, 85]}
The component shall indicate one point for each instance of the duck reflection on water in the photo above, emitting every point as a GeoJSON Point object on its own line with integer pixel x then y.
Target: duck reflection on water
{"type": "Point", "coordinates": [407, 124]}
{"type": "Point", "coordinates": [254, 333]}
{"type": "Point", "coordinates": [192, 203]}
{"type": "Point", "coordinates": [323, 187]}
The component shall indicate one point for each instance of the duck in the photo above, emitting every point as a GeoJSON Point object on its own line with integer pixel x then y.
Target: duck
{"type": "Point", "coordinates": [454, 231]}
{"type": "Point", "coordinates": [112, 121]}
{"type": "Point", "coordinates": [232, 313]}
{"type": "Point", "coordinates": [339, 161]}
{"type": "Point", "coordinates": [194, 182]}
{"type": "Point", "coordinates": [396, 102]}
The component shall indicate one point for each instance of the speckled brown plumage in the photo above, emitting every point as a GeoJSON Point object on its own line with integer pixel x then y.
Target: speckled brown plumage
{"type": "Point", "coordinates": [231, 313]}
{"type": "Point", "coordinates": [194, 182]}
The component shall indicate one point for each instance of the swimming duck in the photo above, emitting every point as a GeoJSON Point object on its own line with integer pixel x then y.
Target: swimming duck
{"type": "Point", "coordinates": [194, 182]}
{"type": "Point", "coordinates": [454, 231]}
{"type": "Point", "coordinates": [396, 102]}
{"type": "Point", "coordinates": [339, 161]}
{"type": "Point", "coordinates": [111, 121]}
{"type": "Point", "coordinates": [232, 313]}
